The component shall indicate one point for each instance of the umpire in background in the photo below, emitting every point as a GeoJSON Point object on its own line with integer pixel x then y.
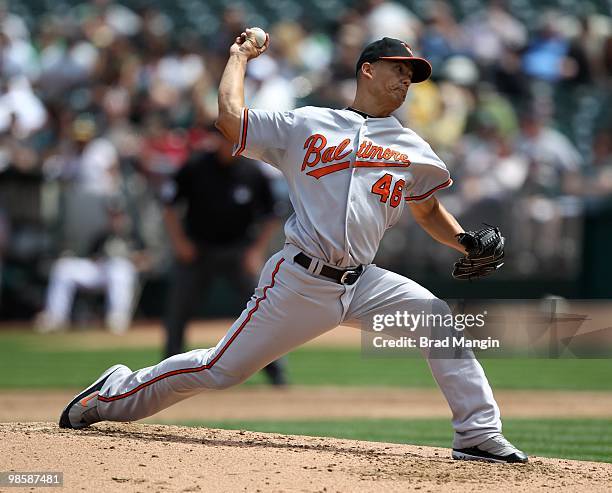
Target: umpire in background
{"type": "Point", "coordinates": [228, 221]}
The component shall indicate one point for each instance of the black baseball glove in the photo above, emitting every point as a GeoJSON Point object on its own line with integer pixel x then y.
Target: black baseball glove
{"type": "Point", "coordinates": [485, 253]}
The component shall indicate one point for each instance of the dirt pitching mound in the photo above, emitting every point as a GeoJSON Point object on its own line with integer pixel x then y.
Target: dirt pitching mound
{"type": "Point", "coordinates": [137, 457]}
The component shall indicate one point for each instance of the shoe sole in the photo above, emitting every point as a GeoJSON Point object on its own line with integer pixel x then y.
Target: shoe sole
{"type": "Point", "coordinates": [464, 456]}
{"type": "Point", "coordinates": [64, 421]}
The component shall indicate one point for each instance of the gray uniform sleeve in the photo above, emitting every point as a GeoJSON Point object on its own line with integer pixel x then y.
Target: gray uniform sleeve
{"type": "Point", "coordinates": [264, 135]}
{"type": "Point", "coordinates": [429, 175]}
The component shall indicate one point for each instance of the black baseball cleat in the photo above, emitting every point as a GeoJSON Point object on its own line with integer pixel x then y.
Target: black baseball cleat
{"type": "Point", "coordinates": [82, 411]}
{"type": "Point", "coordinates": [495, 449]}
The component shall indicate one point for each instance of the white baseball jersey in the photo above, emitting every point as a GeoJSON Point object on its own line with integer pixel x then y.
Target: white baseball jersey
{"type": "Point", "coordinates": [349, 177]}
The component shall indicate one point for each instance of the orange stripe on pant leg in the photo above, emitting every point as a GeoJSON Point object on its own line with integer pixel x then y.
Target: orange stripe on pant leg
{"type": "Point", "coordinates": [214, 360]}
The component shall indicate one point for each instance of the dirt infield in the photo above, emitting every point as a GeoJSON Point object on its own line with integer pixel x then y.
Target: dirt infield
{"type": "Point", "coordinates": [322, 403]}
{"type": "Point", "coordinates": [136, 457]}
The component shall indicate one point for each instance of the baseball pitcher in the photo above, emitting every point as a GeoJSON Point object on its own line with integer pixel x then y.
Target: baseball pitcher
{"type": "Point", "coordinates": [351, 173]}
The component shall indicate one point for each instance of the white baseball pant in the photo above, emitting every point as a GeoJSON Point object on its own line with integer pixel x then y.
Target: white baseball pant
{"type": "Point", "coordinates": [291, 306]}
{"type": "Point", "coordinates": [116, 275]}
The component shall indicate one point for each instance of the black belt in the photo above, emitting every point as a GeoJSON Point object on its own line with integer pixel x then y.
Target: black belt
{"type": "Point", "coordinates": [341, 276]}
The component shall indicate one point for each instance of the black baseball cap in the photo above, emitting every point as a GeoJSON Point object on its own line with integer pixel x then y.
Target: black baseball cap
{"type": "Point", "coordinates": [394, 49]}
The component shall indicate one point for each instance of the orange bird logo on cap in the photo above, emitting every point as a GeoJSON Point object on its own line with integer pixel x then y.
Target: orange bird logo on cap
{"type": "Point", "coordinates": [408, 49]}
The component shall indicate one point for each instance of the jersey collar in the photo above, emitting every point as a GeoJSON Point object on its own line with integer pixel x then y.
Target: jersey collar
{"type": "Point", "coordinates": [365, 115]}
{"type": "Point", "coordinates": [361, 113]}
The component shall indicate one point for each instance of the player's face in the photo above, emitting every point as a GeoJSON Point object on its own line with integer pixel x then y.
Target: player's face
{"type": "Point", "coordinates": [392, 79]}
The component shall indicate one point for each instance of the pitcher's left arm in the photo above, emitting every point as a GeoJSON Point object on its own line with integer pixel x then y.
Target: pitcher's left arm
{"type": "Point", "coordinates": [483, 250]}
{"type": "Point", "coordinates": [440, 224]}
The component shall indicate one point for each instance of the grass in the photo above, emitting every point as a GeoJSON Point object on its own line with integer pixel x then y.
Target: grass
{"type": "Point", "coordinates": [569, 439]}
{"type": "Point", "coordinates": [31, 361]}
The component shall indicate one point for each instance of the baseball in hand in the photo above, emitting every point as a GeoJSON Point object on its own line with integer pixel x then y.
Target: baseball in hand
{"type": "Point", "coordinates": [257, 36]}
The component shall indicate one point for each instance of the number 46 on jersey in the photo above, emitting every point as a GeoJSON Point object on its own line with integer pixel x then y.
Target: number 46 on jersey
{"type": "Point", "coordinates": [393, 193]}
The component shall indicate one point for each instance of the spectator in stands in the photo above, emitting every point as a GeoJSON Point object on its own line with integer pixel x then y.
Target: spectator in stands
{"type": "Point", "coordinates": [598, 180]}
{"type": "Point", "coordinates": [581, 56]}
{"type": "Point", "coordinates": [164, 149]}
{"type": "Point", "coordinates": [18, 57]}
{"type": "Point", "coordinates": [11, 24]}
{"type": "Point", "coordinates": [493, 168]}
{"type": "Point", "coordinates": [493, 29]}
{"type": "Point", "coordinates": [554, 160]}
{"type": "Point", "coordinates": [87, 166]}
{"type": "Point", "coordinates": [17, 99]}
{"type": "Point", "coordinates": [388, 18]}
{"type": "Point", "coordinates": [555, 169]}
{"type": "Point", "coordinates": [590, 39]}
{"type": "Point", "coordinates": [442, 36]}
{"type": "Point", "coordinates": [546, 57]}
{"type": "Point", "coordinates": [266, 87]}
{"type": "Point", "coordinates": [86, 159]}
{"type": "Point", "coordinates": [66, 63]}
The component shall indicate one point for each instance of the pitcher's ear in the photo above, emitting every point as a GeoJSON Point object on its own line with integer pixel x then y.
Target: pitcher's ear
{"type": "Point", "coordinates": [366, 70]}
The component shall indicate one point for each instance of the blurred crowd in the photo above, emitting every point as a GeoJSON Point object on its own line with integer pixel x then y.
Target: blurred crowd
{"type": "Point", "coordinates": [101, 101]}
